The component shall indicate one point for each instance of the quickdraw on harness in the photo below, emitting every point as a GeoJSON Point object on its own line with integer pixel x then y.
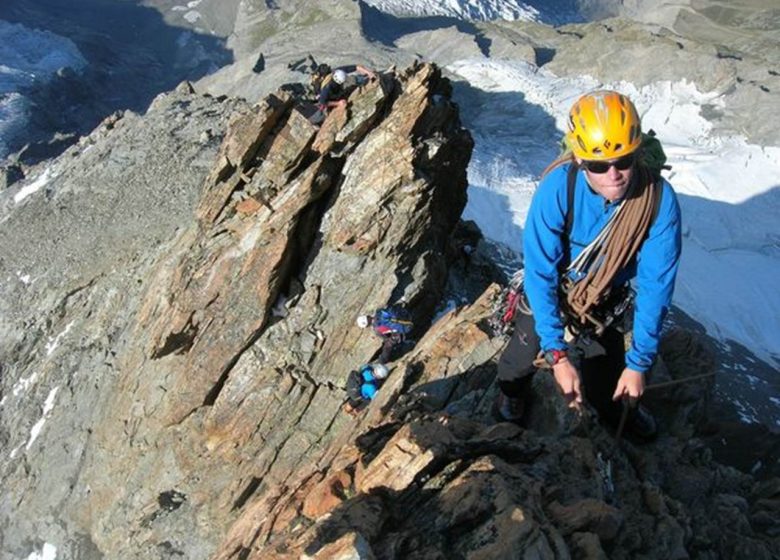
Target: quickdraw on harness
{"type": "Point", "coordinates": [506, 305]}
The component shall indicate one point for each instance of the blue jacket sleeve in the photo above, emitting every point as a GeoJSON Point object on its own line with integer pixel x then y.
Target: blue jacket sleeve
{"type": "Point", "coordinates": [542, 251]}
{"type": "Point", "coordinates": [657, 263]}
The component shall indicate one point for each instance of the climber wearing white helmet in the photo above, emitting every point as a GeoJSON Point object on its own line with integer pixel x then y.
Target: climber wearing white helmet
{"type": "Point", "coordinates": [334, 88]}
{"type": "Point", "coordinates": [339, 76]}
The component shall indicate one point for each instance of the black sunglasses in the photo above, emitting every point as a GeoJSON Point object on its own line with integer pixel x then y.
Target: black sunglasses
{"type": "Point", "coordinates": [603, 166]}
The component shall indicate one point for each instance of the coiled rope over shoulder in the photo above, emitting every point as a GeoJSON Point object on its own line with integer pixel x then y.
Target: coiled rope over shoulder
{"type": "Point", "coordinates": [589, 277]}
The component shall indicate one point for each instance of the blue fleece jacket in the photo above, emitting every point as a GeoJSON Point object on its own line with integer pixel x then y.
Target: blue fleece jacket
{"type": "Point", "coordinates": [652, 272]}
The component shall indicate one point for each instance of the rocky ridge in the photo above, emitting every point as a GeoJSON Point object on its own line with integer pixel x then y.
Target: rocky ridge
{"type": "Point", "coordinates": [192, 379]}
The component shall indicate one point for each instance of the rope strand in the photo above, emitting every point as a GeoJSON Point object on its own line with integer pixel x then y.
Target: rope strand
{"type": "Point", "coordinates": [612, 250]}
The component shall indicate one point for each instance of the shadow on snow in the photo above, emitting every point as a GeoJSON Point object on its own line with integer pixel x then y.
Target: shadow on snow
{"type": "Point", "coordinates": [132, 54]}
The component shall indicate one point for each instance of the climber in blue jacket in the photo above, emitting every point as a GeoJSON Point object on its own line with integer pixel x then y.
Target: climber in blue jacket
{"type": "Point", "coordinates": [603, 182]}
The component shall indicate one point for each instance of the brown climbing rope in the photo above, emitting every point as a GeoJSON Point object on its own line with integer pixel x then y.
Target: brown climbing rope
{"type": "Point", "coordinates": [620, 246]}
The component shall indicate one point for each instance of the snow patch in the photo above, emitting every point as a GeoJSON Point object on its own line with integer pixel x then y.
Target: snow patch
{"type": "Point", "coordinates": [47, 407]}
{"type": "Point", "coordinates": [54, 342]}
{"type": "Point", "coordinates": [29, 56]}
{"type": "Point", "coordinates": [192, 16]}
{"type": "Point", "coordinates": [39, 182]}
{"type": "Point", "coordinates": [24, 383]}
{"type": "Point", "coordinates": [48, 552]}
{"type": "Point", "coordinates": [746, 412]}
{"type": "Point", "coordinates": [23, 278]}
{"type": "Point", "coordinates": [190, 6]}
{"type": "Point", "coordinates": [14, 109]}
{"type": "Point", "coordinates": [478, 10]}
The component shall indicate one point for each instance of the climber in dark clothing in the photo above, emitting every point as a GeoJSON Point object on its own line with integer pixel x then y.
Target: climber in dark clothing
{"type": "Point", "coordinates": [391, 324]}
{"type": "Point", "coordinates": [336, 86]}
{"type": "Point", "coordinates": [572, 275]}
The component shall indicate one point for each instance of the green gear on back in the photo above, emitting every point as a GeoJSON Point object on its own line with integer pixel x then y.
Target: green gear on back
{"type": "Point", "coordinates": [651, 152]}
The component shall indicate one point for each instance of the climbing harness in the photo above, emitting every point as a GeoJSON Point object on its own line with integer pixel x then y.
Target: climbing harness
{"type": "Point", "coordinates": [588, 301]}
{"type": "Point", "coordinates": [392, 320]}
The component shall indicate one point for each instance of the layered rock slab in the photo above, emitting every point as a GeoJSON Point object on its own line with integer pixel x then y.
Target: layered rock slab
{"type": "Point", "coordinates": [233, 376]}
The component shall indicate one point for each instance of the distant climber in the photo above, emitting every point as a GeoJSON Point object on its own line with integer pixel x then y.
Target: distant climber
{"type": "Point", "coordinates": [600, 218]}
{"type": "Point", "coordinates": [332, 87]}
{"type": "Point", "coordinates": [392, 324]}
{"type": "Point", "coordinates": [363, 384]}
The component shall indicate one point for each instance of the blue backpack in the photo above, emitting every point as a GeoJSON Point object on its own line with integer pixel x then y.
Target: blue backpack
{"type": "Point", "coordinates": [392, 320]}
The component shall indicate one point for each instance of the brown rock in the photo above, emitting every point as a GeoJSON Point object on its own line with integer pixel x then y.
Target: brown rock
{"type": "Point", "coordinates": [405, 456]}
{"type": "Point", "coordinates": [352, 546]}
{"type": "Point", "coordinates": [246, 134]}
{"type": "Point", "coordinates": [248, 206]}
{"type": "Point", "coordinates": [327, 494]}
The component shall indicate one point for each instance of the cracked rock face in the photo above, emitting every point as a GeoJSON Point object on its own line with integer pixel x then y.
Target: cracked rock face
{"type": "Point", "coordinates": [177, 344]}
{"type": "Point", "coordinates": [187, 399]}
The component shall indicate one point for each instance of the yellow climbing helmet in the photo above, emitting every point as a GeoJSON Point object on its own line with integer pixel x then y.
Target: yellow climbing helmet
{"type": "Point", "coordinates": [604, 125]}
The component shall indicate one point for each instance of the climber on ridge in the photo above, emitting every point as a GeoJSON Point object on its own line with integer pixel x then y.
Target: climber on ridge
{"type": "Point", "coordinates": [576, 278]}
{"type": "Point", "coordinates": [391, 324]}
{"type": "Point", "coordinates": [332, 87]}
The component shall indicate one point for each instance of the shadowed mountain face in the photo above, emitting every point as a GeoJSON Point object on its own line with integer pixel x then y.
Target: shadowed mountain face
{"type": "Point", "coordinates": [132, 54]}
